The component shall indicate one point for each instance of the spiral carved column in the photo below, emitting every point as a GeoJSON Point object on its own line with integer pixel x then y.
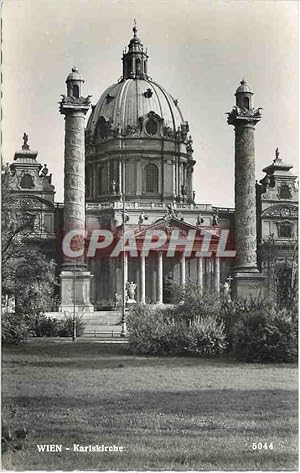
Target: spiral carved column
{"type": "Point", "coordinates": [75, 279]}
{"type": "Point", "coordinates": [247, 281]}
{"type": "Point", "coordinates": [245, 201]}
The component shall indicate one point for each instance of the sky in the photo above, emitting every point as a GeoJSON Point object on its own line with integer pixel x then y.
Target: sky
{"type": "Point", "coordinates": [198, 51]}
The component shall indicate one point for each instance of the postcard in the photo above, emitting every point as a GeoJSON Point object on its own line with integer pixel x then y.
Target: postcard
{"type": "Point", "coordinates": [149, 235]}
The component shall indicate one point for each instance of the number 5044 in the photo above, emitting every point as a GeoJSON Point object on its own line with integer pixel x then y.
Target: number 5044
{"type": "Point", "coordinates": [262, 446]}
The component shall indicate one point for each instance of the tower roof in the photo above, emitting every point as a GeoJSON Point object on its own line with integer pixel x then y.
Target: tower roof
{"type": "Point", "coordinates": [25, 155]}
{"type": "Point", "coordinates": [74, 75]}
{"type": "Point", "coordinates": [243, 88]}
{"type": "Point", "coordinates": [278, 166]}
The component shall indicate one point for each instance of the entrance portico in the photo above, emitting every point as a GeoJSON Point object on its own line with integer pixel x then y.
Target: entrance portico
{"type": "Point", "coordinates": [154, 271]}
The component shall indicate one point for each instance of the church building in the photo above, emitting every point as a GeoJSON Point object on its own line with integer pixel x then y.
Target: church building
{"type": "Point", "coordinates": [134, 160]}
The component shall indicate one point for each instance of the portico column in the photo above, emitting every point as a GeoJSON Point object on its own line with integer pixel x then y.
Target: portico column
{"type": "Point", "coordinates": [200, 274]}
{"type": "Point", "coordinates": [142, 280]}
{"type": "Point", "coordinates": [217, 274]}
{"type": "Point", "coordinates": [182, 270]}
{"type": "Point", "coordinates": [160, 279]}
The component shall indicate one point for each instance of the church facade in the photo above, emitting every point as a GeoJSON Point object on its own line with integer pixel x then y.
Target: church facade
{"type": "Point", "coordinates": [131, 169]}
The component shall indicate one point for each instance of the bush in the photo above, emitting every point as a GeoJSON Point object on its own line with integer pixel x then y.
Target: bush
{"type": "Point", "coordinates": [266, 336]}
{"type": "Point", "coordinates": [65, 326]}
{"type": "Point", "coordinates": [190, 303]}
{"type": "Point", "coordinates": [207, 337]}
{"type": "Point", "coordinates": [157, 331]}
{"type": "Point", "coordinates": [231, 312]}
{"type": "Point", "coordinates": [44, 326]}
{"type": "Point", "coordinates": [14, 329]}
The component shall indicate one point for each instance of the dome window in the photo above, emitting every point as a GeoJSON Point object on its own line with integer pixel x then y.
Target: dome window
{"type": "Point", "coordinates": [27, 182]}
{"type": "Point", "coordinates": [103, 128]}
{"type": "Point", "coordinates": [151, 127]}
{"type": "Point", "coordinates": [148, 93]}
{"type": "Point", "coordinates": [151, 179]}
{"type": "Point", "coordinates": [109, 98]}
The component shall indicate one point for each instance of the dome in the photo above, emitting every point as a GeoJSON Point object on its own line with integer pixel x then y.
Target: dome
{"type": "Point", "coordinates": [244, 87]}
{"type": "Point", "coordinates": [123, 104]}
{"type": "Point", "coordinates": [136, 140]}
{"type": "Point", "coordinates": [75, 75]}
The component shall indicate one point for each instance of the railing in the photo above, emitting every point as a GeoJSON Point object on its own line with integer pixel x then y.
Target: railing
{"type": "Point", "coordinates": [152, 205]}
{"type": "Point", "coordinates": [147, 205]}
{"type": "Point", "coordinates": [99, 334]}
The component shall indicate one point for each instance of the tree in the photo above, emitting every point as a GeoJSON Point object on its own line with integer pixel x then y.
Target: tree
{"type": "Point", "coordinates": [281, 268]}
{"type": "Point", "coordinates": [27, 275]}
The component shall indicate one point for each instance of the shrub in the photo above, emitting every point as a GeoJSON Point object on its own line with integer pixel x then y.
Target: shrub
{"type": "Point", "coordinates": [51, 327]}
{"type": "Point", "coordinates": [266, 336]}
{"type": "Point", "coordinates": [156, 331]}
{"type": "Point", "coordinates": [207, 337]}
{"type": "Point", "coordinates": [44, 327]}
{"type": "Point", "coordinates": [14, 328]}
{"type": "Point", "coordinates": [145, 329]}
{"type": "Point", "coordinates": [65, 326]}
{"type": "Point", "coordinates": [231, 311]}
{"type": "Point", "coordinates": [190, 303]}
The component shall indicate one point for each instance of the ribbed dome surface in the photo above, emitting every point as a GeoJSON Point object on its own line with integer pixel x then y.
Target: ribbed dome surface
{"type": "Point", "coordinates": [125, 102]}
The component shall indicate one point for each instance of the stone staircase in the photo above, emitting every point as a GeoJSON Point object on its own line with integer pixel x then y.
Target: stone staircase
{"type": "Point", "coordinates": [105, 324]}
{"type": "Point", "coordinates": [102, 324]}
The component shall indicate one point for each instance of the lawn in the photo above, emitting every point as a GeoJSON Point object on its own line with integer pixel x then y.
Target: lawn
{"type": "Point", "coordinates": [169, 413]}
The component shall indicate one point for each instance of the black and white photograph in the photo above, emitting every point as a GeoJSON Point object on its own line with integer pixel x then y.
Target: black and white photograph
{"type": "Point", "coordinates": [149, 235]}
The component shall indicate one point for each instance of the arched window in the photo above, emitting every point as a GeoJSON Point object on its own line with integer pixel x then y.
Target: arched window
{"type": "Point", "coordinates": [138, 66]}
{"type": "Point", "coordinates": [284, 192]}
{"type": "Point", "coordinates": [129, 66]}
{"type": "Point", "coordinates": [26, 181]}
{"type": "Point", "coordinates": [246, 102]}
{"type": "Point", "coordinates": [102, 128]}
{"type": "Point", "coordinates": [76, 91]}
{"type": "Point", "coordinates": [151, 179]}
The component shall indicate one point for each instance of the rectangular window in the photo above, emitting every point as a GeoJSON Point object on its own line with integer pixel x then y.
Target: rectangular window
{"type": "Point", "coordinates": [285, 231]}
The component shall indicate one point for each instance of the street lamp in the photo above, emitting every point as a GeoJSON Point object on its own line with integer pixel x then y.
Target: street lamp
{"type": "Point", "coordinates": [123, 320]}
{"type": "Point", "coordinates": [74, 304]}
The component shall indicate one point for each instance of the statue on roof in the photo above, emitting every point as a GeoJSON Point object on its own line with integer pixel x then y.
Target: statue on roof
{"type": "Point", "coordinates": [215, 221]}
{"type": "Point", "coordinates": [44, 171]}
{"type": "Point", "coordinates": [170, 211]}
{"type": "Point", "coordinates": [25, 141]}
{"type": "Point", "coordinates": [277, 158]}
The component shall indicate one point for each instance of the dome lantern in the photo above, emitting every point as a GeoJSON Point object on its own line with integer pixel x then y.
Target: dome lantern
{"type": "Point", "coordinates": [135, 58]}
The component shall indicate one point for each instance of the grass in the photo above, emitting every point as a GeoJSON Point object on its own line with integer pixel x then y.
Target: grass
{"type": "Point", "coordinates": [170, 413]}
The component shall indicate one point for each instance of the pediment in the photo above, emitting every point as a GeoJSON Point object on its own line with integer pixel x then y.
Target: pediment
{"type": "Point", "coordinates": [282, 211]}
{"type": "Point", "coordinates": [168, 225]}
{"type": "Point", "coordinates": [30, 202]}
